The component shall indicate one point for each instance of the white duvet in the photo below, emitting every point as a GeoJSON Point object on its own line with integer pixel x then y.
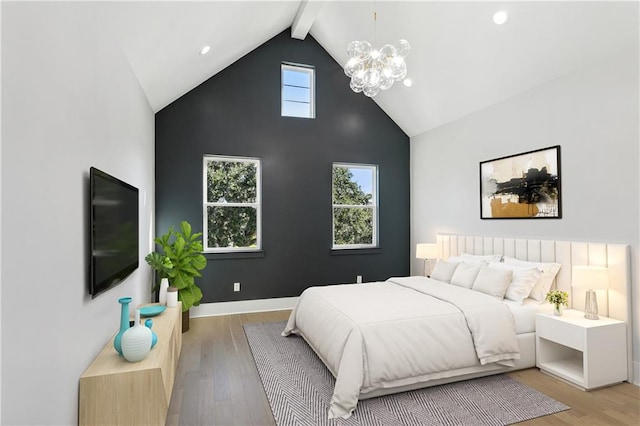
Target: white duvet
{"type": "Point", "coordinates": [400, 332]}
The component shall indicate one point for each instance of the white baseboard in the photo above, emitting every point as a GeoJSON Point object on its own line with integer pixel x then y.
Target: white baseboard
{"type": "Point", "coordinates": [243, 307]}
{"type": "Point", "coordinates": [636, 373]}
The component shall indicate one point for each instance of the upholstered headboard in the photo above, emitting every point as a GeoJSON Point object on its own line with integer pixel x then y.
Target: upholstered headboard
{"type": "Point", "coordinates": [614, 303]}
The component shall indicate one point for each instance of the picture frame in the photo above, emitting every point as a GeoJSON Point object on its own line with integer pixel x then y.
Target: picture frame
{"type": "Point", "coordinates": [522, 186]}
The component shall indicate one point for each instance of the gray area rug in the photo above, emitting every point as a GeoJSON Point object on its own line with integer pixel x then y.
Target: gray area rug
{"type": "Point", "coordinates": [299, 389]}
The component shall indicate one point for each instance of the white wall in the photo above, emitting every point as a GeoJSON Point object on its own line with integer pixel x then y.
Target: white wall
{"type": "Point", "coordinates": [592, 114]}
{"type": "Point", "coordinates": [0, 225]}
{"type": "Point", "coordinates": [69, 101]}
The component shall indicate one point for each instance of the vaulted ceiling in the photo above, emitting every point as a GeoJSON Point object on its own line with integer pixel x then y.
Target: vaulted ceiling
{"type": "Point", "coordinates": [460, 61]}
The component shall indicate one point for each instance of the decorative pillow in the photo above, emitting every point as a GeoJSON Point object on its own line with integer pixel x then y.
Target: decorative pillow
{"type": "Point", "coordinates": [464, 275]}
{"type": "Point", "coordinates": [444, 270]}
{"type": "Point", "coordinates": [544, 283]}
{"type": "Point", "coordinates": [493, 282]}
{"type": "Point", "coordinates": [480, 258]}
{"type": "Point", "coordinates": [522, 282]}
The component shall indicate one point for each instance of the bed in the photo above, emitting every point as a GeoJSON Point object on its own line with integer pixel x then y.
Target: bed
{"type": "Point", "coordinates": [412, 332]}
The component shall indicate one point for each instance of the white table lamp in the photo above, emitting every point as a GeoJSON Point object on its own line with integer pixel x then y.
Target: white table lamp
{"type": "Point", "coordinates": [592, 278]}
{"type": "Point", "coordinates": [426, 251]}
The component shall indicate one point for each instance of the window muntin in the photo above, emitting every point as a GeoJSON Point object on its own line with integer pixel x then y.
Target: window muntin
{"type": "Point", "coordinates": [232, 204]}
{"type": "Point", "coordinates": [298, 87]}
{"type": "Point", "coordinates": [355, 205]}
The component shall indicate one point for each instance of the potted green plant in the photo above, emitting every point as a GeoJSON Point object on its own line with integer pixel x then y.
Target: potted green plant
{"type": "Point", "coordinates": [180, 260]}
{"type": "Point", "coordinates": [558, 299]}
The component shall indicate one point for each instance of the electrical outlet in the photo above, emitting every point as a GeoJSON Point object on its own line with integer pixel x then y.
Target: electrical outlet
{"type": "Point", "coordinates": [236, 286]}
{"type": "Point", "coordinates": [359, 279]}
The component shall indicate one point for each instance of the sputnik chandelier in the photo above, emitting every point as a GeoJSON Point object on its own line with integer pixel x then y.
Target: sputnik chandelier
{"type": "Point", "coordinates": [372, 70]}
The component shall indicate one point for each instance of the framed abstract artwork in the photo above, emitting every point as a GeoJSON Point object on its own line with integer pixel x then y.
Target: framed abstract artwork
{"type": "Point", "coordinates": [522, 186]}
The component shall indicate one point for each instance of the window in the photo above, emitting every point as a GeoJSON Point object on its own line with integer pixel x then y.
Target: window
{"type": "Point", "coordinates": [298, 87]}
{"type": "Point", "coordinates": [355, 206]}
{"type": "Point", "coordinates": [231, 207]}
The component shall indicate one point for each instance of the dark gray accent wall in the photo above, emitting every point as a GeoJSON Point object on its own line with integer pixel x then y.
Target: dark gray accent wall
{"type": "Point", "coordinates": [237, 112]}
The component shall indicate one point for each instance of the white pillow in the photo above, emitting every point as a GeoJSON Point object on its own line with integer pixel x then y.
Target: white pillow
{"type": "Point", "coordinates": [544, 283]}
{"type": "Point", "coordinates": [493, 282]}
{"type": "Point", "coordinates": [464, 275]}
{"type": "Point", "coordinates": [468, 260]}
{"type": "Point", "coordinates": [479, 258]}
{"type": "Point", "coordinates": [444, 270]}
{"type": "Point", "coordinates": [522, 282]}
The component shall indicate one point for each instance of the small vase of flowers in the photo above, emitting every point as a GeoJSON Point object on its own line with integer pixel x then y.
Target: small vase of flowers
{"type": "Point", "coordinates": [558, 299]}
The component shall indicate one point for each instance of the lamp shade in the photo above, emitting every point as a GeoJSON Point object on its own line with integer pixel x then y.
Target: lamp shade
{"type": "Point", "coordinates": [590, 277]}
{"type": "Point", "coordinates": [426, 251]}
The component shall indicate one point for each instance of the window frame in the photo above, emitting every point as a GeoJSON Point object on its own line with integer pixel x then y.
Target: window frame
{"type": "Point", "coordinates": [309, 69]}
{"type": "Point", "coordinates": [374, 206]}
{"type": "Point", "coordinates": [205, 204]}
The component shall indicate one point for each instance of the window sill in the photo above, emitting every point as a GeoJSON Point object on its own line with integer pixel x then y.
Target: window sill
{"type": "Point", "coordinates": [356, 251]}
{"type": "Point", "coordinates": [234, 255]}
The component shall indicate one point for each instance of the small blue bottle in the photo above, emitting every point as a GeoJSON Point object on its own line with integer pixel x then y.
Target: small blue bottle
{"type": "Point", "coordinates": [124, 323]}
{"type": "Point", "coordinates": [154, 336]}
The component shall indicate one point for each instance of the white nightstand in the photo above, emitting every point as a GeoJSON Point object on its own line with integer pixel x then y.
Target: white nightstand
{"type": "Point", "coordinates": [586, 353]}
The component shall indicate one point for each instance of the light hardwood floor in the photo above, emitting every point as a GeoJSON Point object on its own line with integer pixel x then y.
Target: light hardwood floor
{"type": "Point", "coordinates": [217, 383]}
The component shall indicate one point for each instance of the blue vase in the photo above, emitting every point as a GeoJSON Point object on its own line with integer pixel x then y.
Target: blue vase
{"type": "Point", "coordinates": [154, 336]}
{"type": "Point", "coordinates": [124, 323]}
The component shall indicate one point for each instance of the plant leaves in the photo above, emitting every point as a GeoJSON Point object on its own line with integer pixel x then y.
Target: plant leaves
{"type": "Point", "coordinates": [190, 269]}
{"type": "Point", "coordinates": [199, 262]}
{"type": "Point", "coordinates": [190, 296]}
{"type": "Point", "coordinates": [186, 229]}
{"type": "Point", "coordinates": [181, 261]}
{"type": "Point", "coordinates": [159, 262]}
{"type": "Point", "coordinates": [179, 245]}
{"type": "Point", "coordinates": [182, 280]}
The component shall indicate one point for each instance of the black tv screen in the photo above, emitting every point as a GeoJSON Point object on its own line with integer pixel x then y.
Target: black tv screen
{"type": "Point", "coordinates": [114, 231]}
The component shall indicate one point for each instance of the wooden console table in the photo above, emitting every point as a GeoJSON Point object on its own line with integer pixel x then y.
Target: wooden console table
{"type": "Point", "coordinates": [116, 392]}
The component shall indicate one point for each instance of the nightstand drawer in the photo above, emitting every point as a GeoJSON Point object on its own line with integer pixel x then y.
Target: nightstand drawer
{"type": "Point", "coordinates": [560, 332]}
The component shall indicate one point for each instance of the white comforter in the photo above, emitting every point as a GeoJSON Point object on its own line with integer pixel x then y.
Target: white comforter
{"type": "Point", "coordinates": [400, 332]}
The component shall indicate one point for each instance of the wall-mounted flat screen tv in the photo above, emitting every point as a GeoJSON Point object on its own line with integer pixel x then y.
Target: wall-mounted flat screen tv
{"type": "Point", "coordinates": [113, 231]}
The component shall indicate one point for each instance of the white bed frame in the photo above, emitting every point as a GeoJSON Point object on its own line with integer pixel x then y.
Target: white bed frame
{"type": "Point", "coordinates": [614, 303]}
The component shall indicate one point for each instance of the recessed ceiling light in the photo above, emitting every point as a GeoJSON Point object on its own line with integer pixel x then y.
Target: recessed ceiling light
{"type": "Point", "coordinates": [500, 17]}
{"type": "Point", "coordinates": [407, 82]}
{"type": "Point", "coordinates": [205, 50]}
